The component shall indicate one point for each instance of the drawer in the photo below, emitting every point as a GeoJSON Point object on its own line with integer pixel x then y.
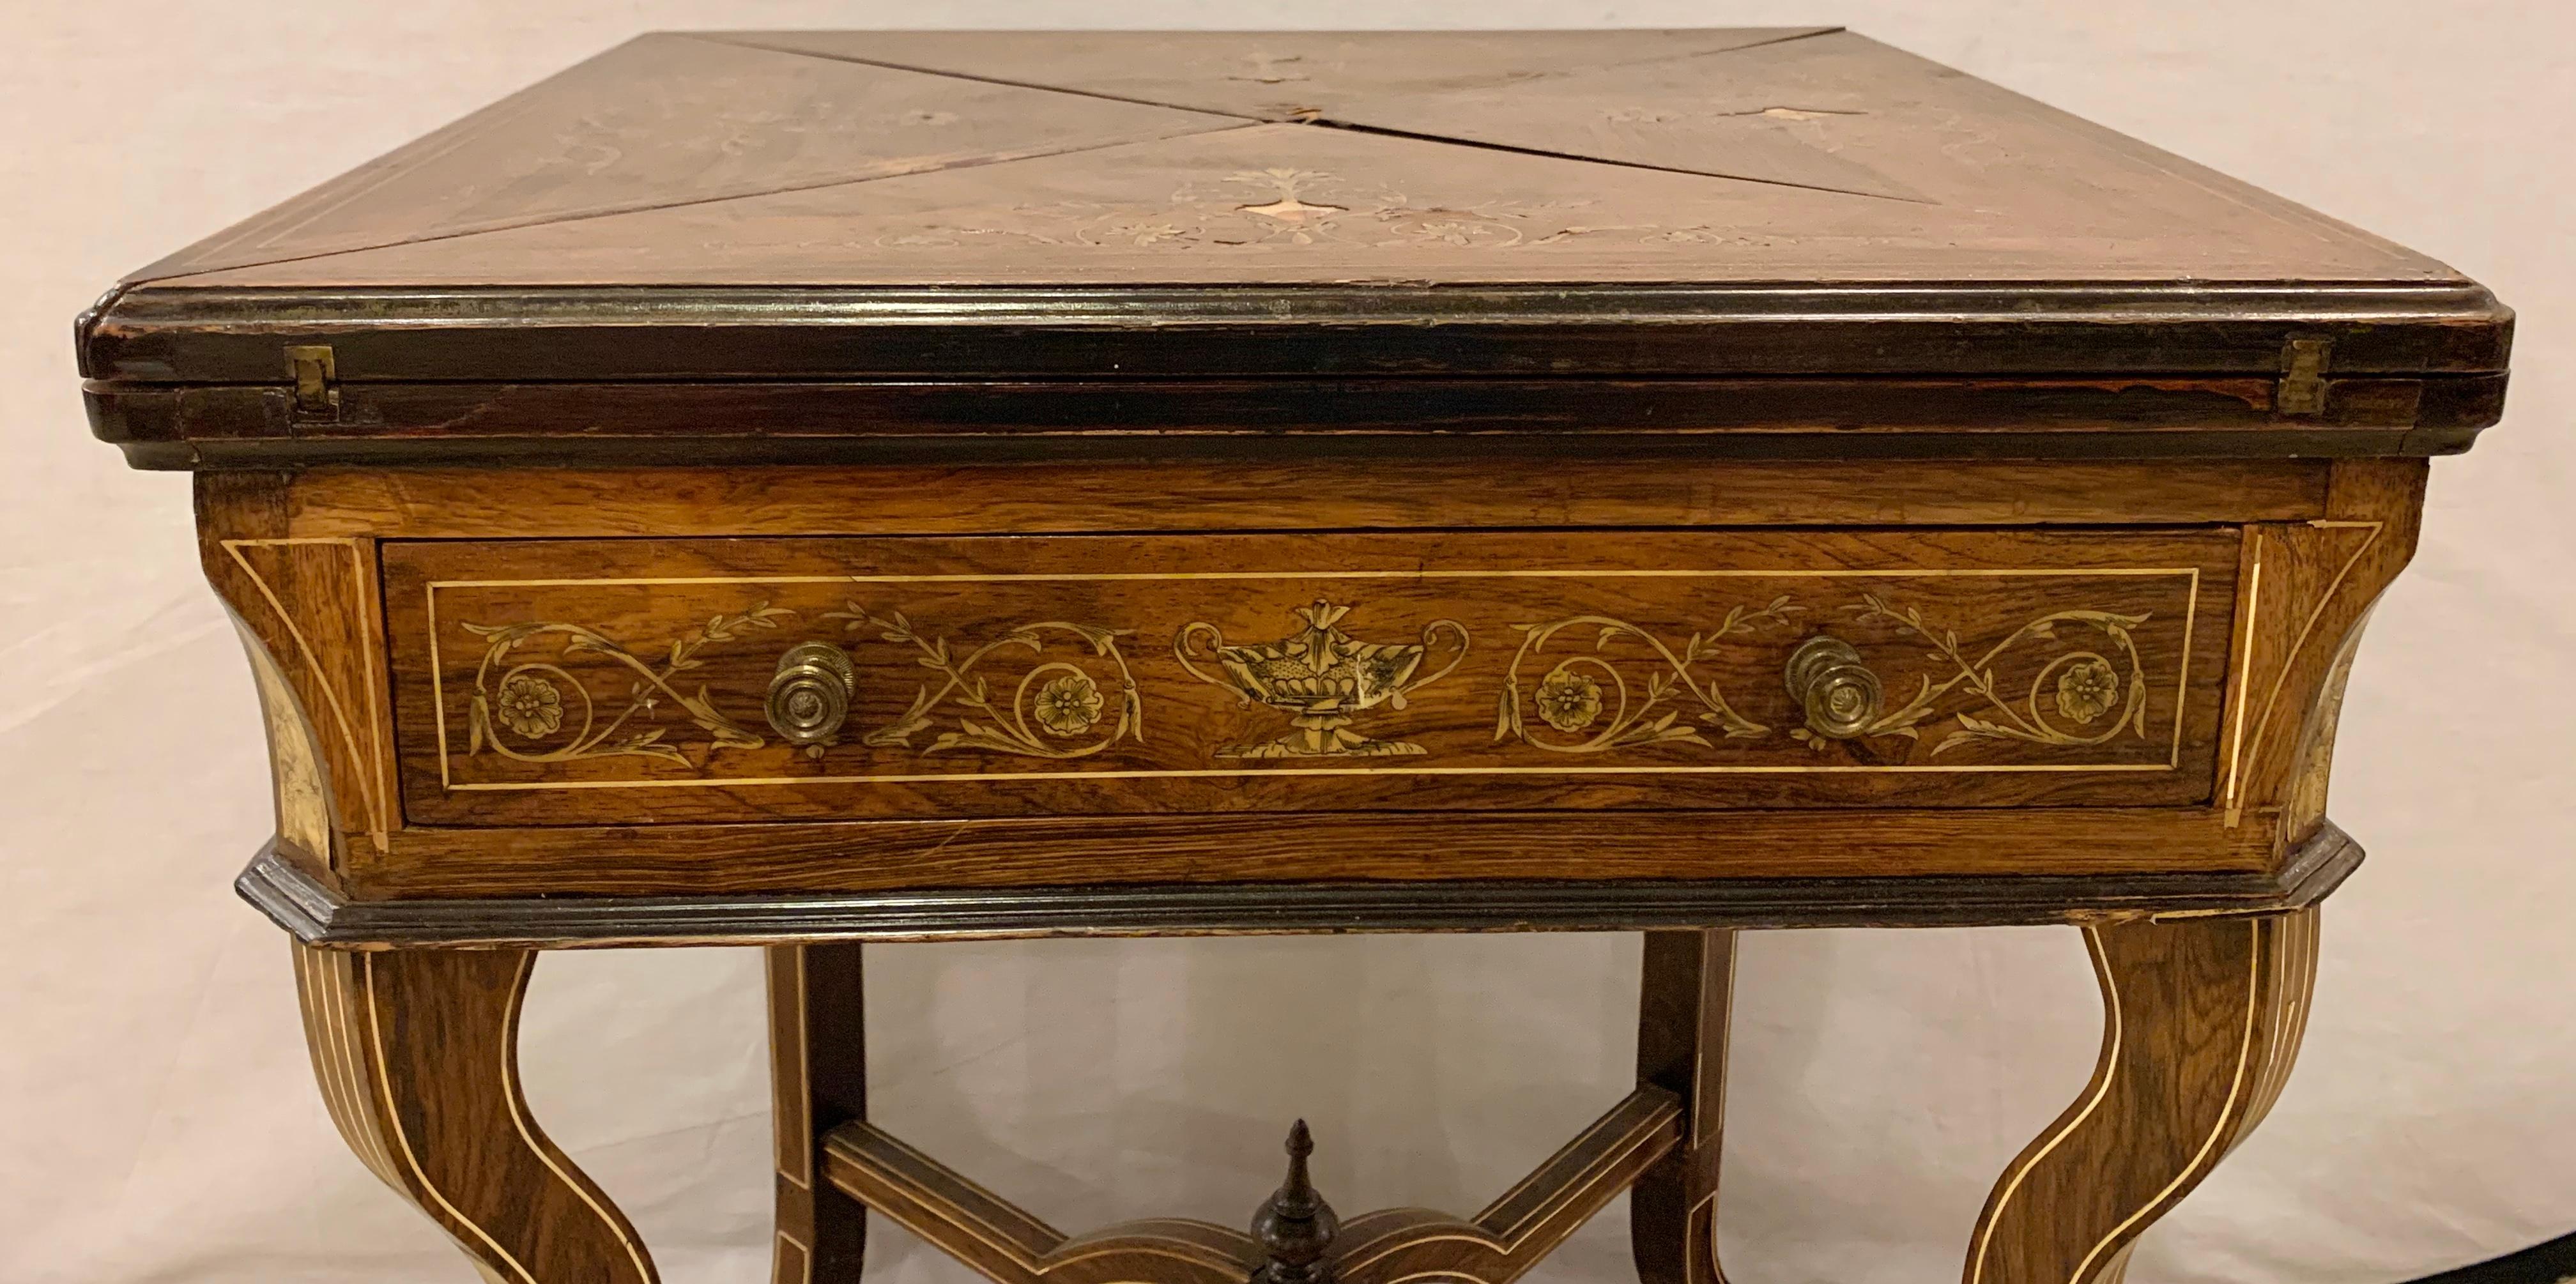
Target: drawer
{"type": "Point", "coordinates": [576, 682]}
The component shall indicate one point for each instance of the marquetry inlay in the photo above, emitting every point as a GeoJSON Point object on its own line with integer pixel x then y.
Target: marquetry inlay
{"type": "Point", "coordinates": [1485, 669]}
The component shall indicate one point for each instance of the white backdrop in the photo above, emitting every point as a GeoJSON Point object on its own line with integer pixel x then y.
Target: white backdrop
{"type": "Point", "coordinates": [160, 1119]}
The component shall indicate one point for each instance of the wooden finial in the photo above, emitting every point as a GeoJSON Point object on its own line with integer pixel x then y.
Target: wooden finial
{"type": "Point", "coordinates": [1295, 1226]}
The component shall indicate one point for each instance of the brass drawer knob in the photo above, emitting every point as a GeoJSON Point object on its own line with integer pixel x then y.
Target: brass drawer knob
{"type": "Point", "coordinates": [1840, 694]}
{"type": "Point", "coordinates": [810, 695]}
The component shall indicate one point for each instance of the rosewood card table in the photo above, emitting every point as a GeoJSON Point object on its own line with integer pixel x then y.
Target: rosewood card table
{"type": "Point", "coordinates": [811, 488]}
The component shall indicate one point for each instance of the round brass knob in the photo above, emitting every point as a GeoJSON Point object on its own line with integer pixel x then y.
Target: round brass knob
{"type": "Point", "coordinates": [810, 695]}
{"type": "Point", "coordinates": [1840, 694]}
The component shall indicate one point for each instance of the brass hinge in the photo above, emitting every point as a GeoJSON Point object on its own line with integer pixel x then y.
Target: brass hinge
{"type": "Point", "coordinates": [2303, 377]}
{"type": "Point", "coordinates": [317, 380]}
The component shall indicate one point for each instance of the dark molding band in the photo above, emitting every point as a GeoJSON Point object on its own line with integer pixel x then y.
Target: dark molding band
{"type": "Point", "coordinates": [607, 334]}
{"type": "Point", "coordinates": [740, 423]}
{"type": "Point", "coordinates": [318, 916]}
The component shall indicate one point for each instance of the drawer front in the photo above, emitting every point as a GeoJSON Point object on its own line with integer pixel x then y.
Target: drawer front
{"type": "Point", "coordinates": [617, 681]}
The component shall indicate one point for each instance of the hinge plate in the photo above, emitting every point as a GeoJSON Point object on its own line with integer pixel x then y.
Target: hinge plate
{"type": "Point", "coordinates": [2302, 390]}
{"type": "Point", "coordinates": [317, 378]}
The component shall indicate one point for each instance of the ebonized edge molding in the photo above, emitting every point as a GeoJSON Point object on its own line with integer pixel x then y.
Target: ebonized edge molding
{"type": "Point", "coordinates": [718, 423]}
{"type": "Point", "coordinates": [294, 900]}
{"type": "Point", "coordinates": [166, 332]}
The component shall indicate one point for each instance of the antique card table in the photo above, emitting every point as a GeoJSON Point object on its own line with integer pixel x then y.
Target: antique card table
{"type": "Point", "coordinates": [809, 488]}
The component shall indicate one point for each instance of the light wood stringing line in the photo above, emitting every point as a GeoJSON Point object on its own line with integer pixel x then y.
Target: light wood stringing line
{"type": "Point", "coordinates": [778, 1271]}
{"type": "Point", "coordinates": [1699, 1090]}
{"type": "Point", "coordinates": [446, 779]}
{"type": "Point", "coordinates": [1913, 572]}
{"type": "Point", "coordinates": [1035, 1226]}
{"type": "Point", "coordinates": [353, 1063]}
{"type": "Point", "coordinates": [1148, 1244]}
{"type": "Point", "coordinates": [402, 1138]}
{"type": "Point", "coordinates": [2114, 1031]}
{"type": "Point", "coordinates": [2182, 669]}
{"type": "Point", "coordinates": [2219, 1127]}
{"type": "Point", "coordinates": [437, 687]}
{"type": "Point", "coordinates": [1201, 772]}
{"type": "Point", "coordinates": [796, 1143]}
{"type": "Point", "coordinates": [1617, 1154]}
{"type": "Point", "coordinates": [2236, 721]}
{"type": "Point", "coordinates": [519, 1118]}
{"type": "Point", "coordinates": [338, 1079]}
{"type": "Point", "coordinates": [1508, 1240]}
{"type": "Point", "coordinates": [370, 788]}
{"type": "Point", "coordinates": [2299, 641]}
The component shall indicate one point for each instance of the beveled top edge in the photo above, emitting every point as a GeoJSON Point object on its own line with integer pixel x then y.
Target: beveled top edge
{"type": "Point", "coordinates": [1148, 33]}
{"type": "Point", "coordinates": [173, 333]}
{"type": "Point", "coordinates": [173, 297]}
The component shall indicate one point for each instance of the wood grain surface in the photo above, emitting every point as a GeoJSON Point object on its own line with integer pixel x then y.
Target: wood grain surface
{"type": "Point", "coordinates": [818, 1081]}
{"type": "Point", "coordinates": [428, 510]}
{"type": "Point", "coordinates": [1826, 155]}
{"type": "Point", "coordinates": [1289, 482]}
{"type": "Point", "coordinates": [2313, 585]}
{"type": "Point", "coordinates": [309, 611]}
{"type": "Point", "coordinates": [1130, 496]}
{"type": "Point", "coordinates": [721, 122]}
{"type": "Point", "coordinates": [1029, 676]}
{"type": "Point", "coordinates": [417, 1055]}
{"type": "Point", "coordinates": [1268, 75]}
{"type": "Point", "coordinates": [602, 265]}
{"type": "Point", "coordinates": [1390, 846]}
{"type": "Point", "coordinates": [2202, 1020]}
{"type": "Point", "coordinates": [1686, 995]}
{"type": "Point", "coordinates": [1509, 1236]}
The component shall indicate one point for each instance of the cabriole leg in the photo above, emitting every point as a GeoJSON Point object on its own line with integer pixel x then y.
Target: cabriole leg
{"type": "Point", "coordinates": [417, 1055]}
{"type": "Point", "coordinates": [2202, 1019]}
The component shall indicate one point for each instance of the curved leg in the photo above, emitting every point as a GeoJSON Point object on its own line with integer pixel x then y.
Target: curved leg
{"type": "Point", "coordinates": [417, 1055]}
{"type": "Point", "coordinates": [1689, 980]}
{"type": "Point", "coordinates": [2202, 1019]}
{"type": "Point", "coordinates": [819, 1078]}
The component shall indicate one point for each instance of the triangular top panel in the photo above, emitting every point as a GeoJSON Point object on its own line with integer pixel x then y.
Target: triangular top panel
{"type": "Point", "coordinates": [896, 158]}
{"type": "Point", "coordinates": [665, 120]}
{"type": "Point", "coordinates": [1266, 75]}
{"type": "Point", "coordinates": [1591, 94]}
{"type": "Point", "coordinates": [1138, 205]}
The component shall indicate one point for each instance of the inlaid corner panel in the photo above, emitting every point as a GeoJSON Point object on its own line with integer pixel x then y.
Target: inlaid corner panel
{"type": "Point", "coordinates": [577, 682]}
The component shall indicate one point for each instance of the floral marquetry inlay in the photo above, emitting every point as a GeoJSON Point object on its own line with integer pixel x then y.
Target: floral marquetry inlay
{"type": "Point", "coordinates": [1056, 709]}
{"type": "Point", "coordinates": [1284, 205]}
{"type": "Point", "coordinates": [536, 710]}
{"type": "Point", "coordinates": [1137, 675]}
{"type": "Point", "coordinates": [1589, 695]}
{"type": "Point", "coordinates": [2073, 682]}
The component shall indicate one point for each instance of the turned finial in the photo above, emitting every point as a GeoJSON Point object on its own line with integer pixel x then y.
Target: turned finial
{"type": "Point", "coordinates": [1294, 1226]}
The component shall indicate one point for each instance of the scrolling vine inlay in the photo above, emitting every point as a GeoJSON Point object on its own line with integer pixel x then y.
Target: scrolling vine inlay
{"type": "Point", "coordinates": [2084, 686]}
{"type": "Point", "coordinates": [1055, 710]}
{"type": "Point", "coordinates": [1580, 691]}
{"type": "Point", "coordinates": [534, 701]}
{"type": "Point", "coordinates": [1610, 672]}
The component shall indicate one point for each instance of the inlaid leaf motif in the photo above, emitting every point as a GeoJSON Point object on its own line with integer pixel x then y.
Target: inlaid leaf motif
{"type": "Point", "coordinates": [1592, 689]}
{"type": "Point", "coordinates": [514, 696]}
{"type": "Point", "coordinates": [1998, 715]}
{"type": "Point", "coordinates": [1021, 723]}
